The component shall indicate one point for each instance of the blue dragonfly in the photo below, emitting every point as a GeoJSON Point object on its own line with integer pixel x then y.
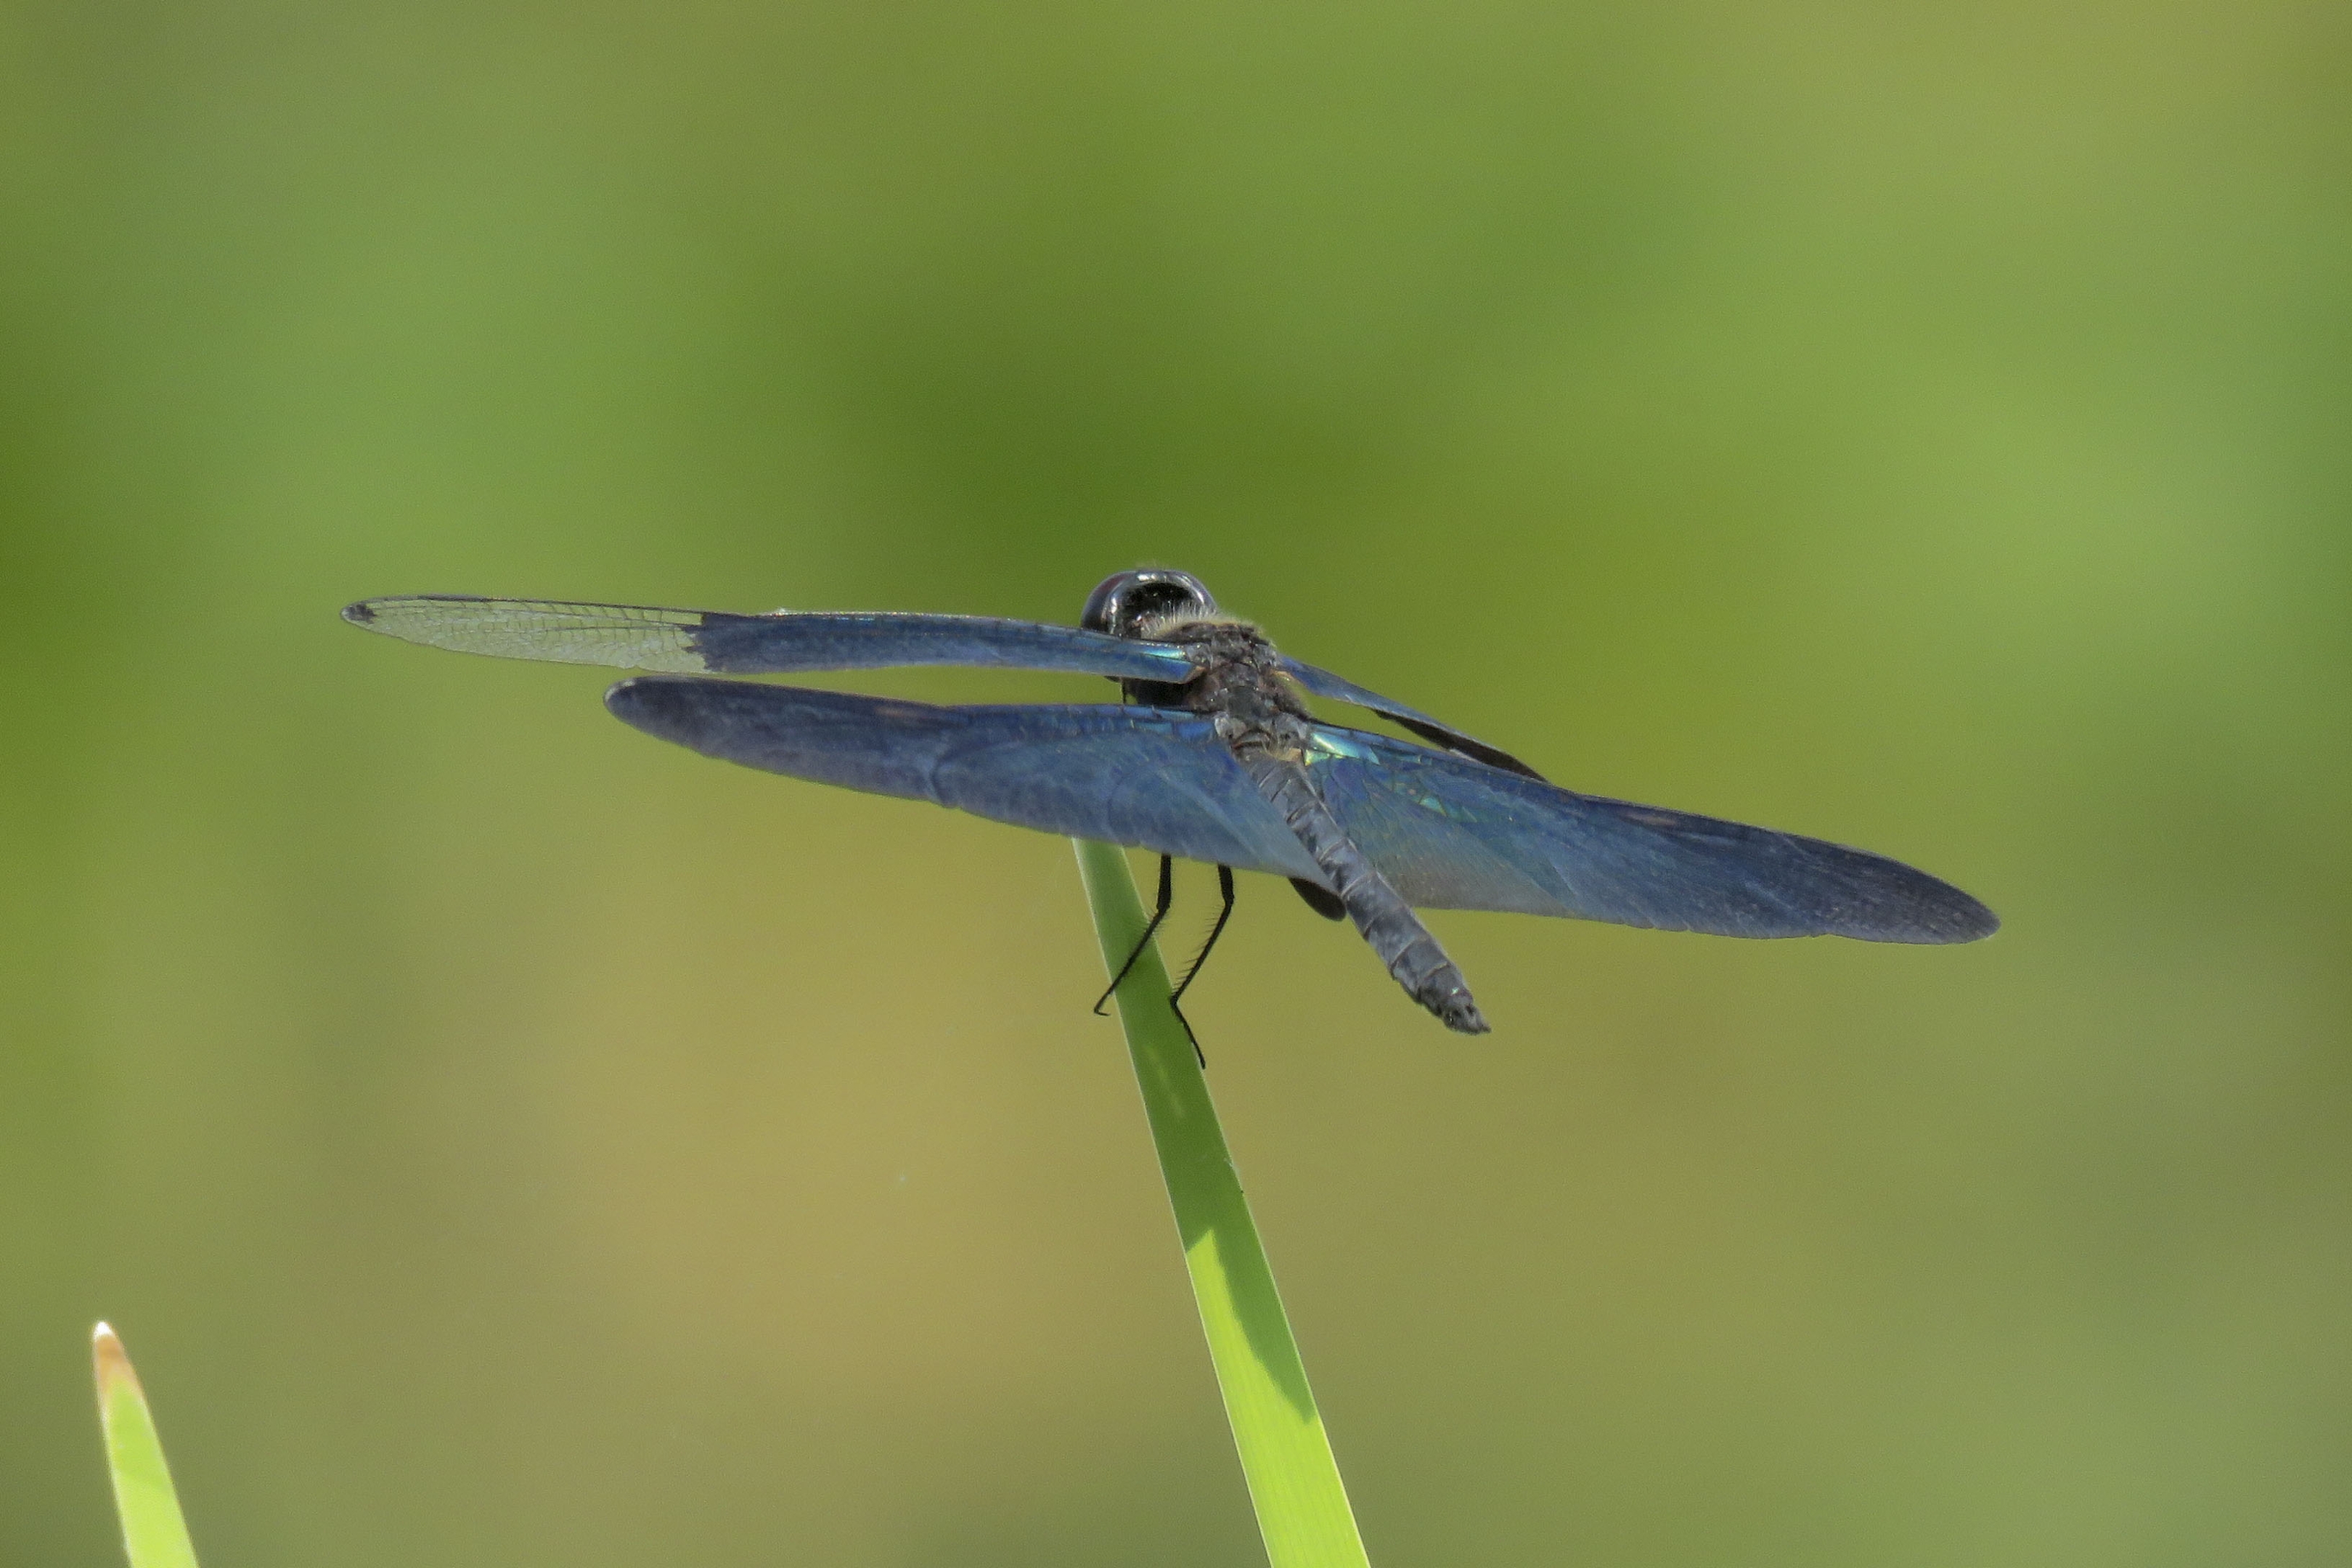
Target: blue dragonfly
{"type": "Point", "coordinates": [1212, 756]}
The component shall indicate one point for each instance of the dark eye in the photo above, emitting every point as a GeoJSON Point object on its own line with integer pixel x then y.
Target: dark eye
{"type": "Point", "coordinates": [1124, 601]}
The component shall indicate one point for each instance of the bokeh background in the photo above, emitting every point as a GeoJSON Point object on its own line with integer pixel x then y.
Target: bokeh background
{"type": "Point", "coordinates": [503, 1140]}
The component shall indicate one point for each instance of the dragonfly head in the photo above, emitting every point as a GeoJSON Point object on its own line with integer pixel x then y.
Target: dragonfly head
{"type": "Point", "coordinates": [1122, 603]}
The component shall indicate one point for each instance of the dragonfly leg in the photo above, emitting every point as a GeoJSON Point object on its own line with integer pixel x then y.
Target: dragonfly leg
{"type": "Point", "coordinates": [1226, 890]}
{"type": "Point", "coordinates": [1198, 1053]}
{"type": "Point", "coordinates": [1167, 898]}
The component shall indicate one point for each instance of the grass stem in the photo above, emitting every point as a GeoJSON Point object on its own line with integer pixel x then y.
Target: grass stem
{"type": "Point", "coordinates": [1293, 1481]}
{"type": "Point", "coordinates": [153, 1533]}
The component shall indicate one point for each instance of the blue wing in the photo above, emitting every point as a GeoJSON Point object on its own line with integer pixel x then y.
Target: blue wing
{"type": "Point", "coordinates": [716, 642]}
{"type": "Point", "coordinates": [1451, 834]}
{"type": "Point", "coordinates": [1447, 832]}
{"type": "Point", "coordinates": [1323, 683]}
{"type": "Point", "coordinates": [635, 637]}
{"type": "Point", "coordinates": [1149, 777]}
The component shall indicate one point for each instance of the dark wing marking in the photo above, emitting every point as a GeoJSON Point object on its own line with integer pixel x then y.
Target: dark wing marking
{"type": "Point", "coordinates": [1452, 834]}
{"type": "Point", "coordinates": [1148, 777]}
{"type": "Point", "coordinates": [1323, 683]}
{"type": "Point", "coordinates": [634, 636]}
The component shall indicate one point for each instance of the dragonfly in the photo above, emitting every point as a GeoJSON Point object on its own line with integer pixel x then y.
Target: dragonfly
{"type": "Point", "coordinates": [1211, 754]}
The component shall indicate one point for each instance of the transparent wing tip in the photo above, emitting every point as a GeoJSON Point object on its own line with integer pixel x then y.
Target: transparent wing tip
{"type": "Point", "coordinates": [626, 636]}
{"type": "Point", "coordinates": [394, 610]}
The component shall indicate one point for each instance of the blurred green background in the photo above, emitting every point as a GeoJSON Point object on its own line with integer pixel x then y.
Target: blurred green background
{"type": "Point", "coordinates": [504, 1140]}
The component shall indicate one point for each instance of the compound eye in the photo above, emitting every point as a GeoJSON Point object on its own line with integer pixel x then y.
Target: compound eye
{"type": "Point", "coordinates": [1103, 603]}
{"type": "Point", "coordinates": [1121, 603]}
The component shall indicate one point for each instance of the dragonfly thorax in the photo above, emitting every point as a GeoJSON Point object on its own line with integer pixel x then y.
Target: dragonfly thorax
{"type": "Point", "coordinates": [1242, 684]}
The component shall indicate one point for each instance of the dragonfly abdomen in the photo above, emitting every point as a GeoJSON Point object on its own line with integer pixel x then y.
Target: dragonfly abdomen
{"type": "Point", "coordinates": [1381, 914]}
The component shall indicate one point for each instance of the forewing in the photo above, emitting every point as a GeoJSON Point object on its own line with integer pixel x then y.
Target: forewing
{"type": "Point", "coordinates": [1323, 683]}
{"type": "Point", "coordinates": [636, 636]}
{"type": "Point", "coordinates": [1450, 833]}
{"type": "Point", "coordinates": [1147, 777]}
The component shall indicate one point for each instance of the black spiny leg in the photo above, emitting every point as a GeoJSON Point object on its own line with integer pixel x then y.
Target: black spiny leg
{"type": "Point", "coordinates": [1167, 897]}
{"type": "Point", "coordinates": [1226, 890]}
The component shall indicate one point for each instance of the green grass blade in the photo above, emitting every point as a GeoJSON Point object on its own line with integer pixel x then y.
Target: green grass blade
{"type": "Point", "coordinates": [153, 1535]}
{"type": "Point", "coordinates": [1302, 1508]}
